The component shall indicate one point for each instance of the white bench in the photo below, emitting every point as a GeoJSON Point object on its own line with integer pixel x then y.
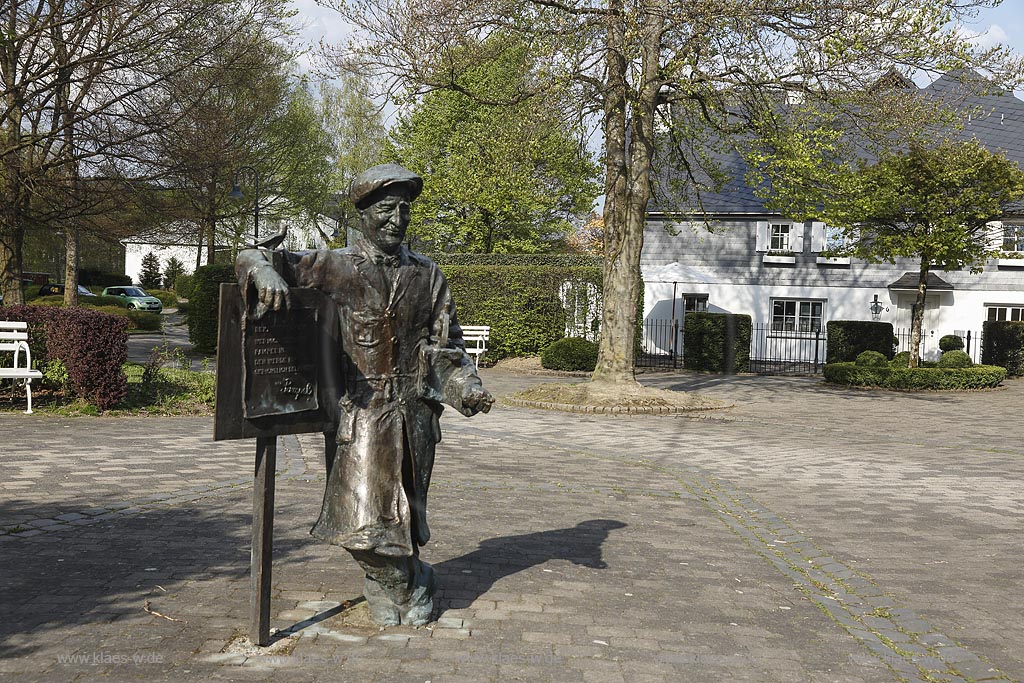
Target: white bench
{"type": "Point", "coordinates": [476, 337]}
{"type": "Point", "coordinates": [14, 338]}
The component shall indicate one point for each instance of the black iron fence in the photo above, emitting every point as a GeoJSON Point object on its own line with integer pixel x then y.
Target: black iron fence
{"type": "Point", "coordinates": [775, 351]}
{"type": "Point", "coordinates": [929, 348]}
{"type": "Point", "coordinates": [661, 344]}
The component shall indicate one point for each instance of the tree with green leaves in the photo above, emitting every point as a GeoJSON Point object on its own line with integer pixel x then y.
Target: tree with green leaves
{"type": "Point", "coordinates": [721, 64]}
{"type": "Point", "coordinates": [355, 124]}
{"type": "Point", "coordinates": [933, 203]}
{"type": "Point", "coordinates": [510, 179]}
{"type": "Point", "coordinates": [149, 275]}
{"type": "Point", "coordinates": [172, 271]}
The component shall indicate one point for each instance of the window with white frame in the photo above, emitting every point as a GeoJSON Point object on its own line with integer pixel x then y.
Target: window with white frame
{"type": "Point", "coordinates": [1013, 237]}
{"type": "Point", "coordinates": [797, 315]}
{"type": "Point", "coordinates": [779, 236]}
{"type": "Point", "coordinates": [1000, 312]}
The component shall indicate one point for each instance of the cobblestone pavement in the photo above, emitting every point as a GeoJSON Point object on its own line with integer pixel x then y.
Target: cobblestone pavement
{"type": "Point", "coordinates": [806, 534]}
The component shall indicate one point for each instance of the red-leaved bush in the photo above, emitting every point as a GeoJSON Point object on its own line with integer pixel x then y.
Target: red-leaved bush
{"type": "Point", "coordinates": [92, 345]}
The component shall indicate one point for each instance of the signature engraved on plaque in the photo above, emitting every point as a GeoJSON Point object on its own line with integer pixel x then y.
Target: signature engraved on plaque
{"type": "Point", "coordinates": [281, 363]}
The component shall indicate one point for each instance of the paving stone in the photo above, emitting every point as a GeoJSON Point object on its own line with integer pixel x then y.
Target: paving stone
{"type": "Point", "coordinates": [900, 516]}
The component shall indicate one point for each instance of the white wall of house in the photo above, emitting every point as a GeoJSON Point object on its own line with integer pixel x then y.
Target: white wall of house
{"type": "Point", "coordinates": [135, 251]}
{"type": "Point", "coordinates": [727, 266]}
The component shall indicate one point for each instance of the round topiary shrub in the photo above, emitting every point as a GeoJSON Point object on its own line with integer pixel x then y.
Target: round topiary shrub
{"type": "Point", "coordinates": [900, 360]}
{"type": "Point", "coordinates": [955, 359]}
{"type": "Point", "coordinates": [872, 359]}
{"type": "Point", "coordinates": [572, 354]}
{"type": "Point", "coordinates": [951, 342]}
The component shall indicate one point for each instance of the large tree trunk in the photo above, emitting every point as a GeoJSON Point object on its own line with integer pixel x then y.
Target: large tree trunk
{"type": "Point", "coordinates": [627, 192]}
{"type": "Point", "coordinates": [72, 239]}
{"type": "Point", "coordinates": [12, 232]}
{"type": "Point", "coordinates": [11, 239]}
{"type": "Point", "coordinates": [615, 352]}
{"type": "Point", "coordinates": [917, 319]}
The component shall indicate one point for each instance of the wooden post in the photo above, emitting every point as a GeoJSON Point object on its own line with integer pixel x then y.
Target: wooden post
{"type": "Point", "coordinates": [262, 538]}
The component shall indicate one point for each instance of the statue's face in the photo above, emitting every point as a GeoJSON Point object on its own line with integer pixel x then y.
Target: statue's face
{"type": "Point", "coordinates": [385, 221]}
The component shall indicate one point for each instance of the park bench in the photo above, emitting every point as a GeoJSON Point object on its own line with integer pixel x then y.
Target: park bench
{"type": "Point", "coordinates": [476, 337]}
{"type": "Point", "coordinates": [14, 339]}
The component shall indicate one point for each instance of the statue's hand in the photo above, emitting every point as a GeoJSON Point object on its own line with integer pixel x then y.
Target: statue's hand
{"type": "Point", "coordinates": [271, 290]}
{"type": "Point", "coordinates": [476, 399]}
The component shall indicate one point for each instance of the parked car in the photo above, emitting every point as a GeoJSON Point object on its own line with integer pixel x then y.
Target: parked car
{"type": "Point", "coordinates": [58, 290]}
{"type": "Point", "coordinates": [137, 299]}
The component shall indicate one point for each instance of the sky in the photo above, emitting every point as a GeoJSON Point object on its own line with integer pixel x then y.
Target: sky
{"type": "Point", "coordinates": [1002, 24]}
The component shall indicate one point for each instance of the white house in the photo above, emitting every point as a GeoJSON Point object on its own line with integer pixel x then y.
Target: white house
{"type": "Point", "coordinates": [762, 264]}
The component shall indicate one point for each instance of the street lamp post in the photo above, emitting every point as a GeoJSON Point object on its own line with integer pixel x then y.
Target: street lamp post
{"type": "Point", "coordinates": [236, 193]}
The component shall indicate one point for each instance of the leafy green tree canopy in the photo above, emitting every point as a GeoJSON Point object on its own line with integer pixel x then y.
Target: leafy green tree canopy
{"type": "Point", "coordinates": [507, 179]}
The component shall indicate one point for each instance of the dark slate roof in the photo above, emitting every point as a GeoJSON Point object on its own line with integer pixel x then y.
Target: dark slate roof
{"type": "Point", "coordinates": [994, 118]}
{"type": "Point", "coordinates": [909, 281]}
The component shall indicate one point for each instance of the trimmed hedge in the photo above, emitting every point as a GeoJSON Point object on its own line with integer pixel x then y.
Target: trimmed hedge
{"type": "Point", "coordinates": [955, 359]}
{"type": "Point", "coordinates": [168, 299]}
{"type": "Point", "coordinates": [98, 278]}
{"type": "Point", "coordinates": [716, 342]}
{"type": "Point", "coordinates": [1003, 345]}
{"type": "Point", "coordinates": [572, 353]}
{"type": "Point", "coordinates": [525, 260]}
{"type": "Point", "coordinates": [847, 338]}
{"type": "Point", "coordinates": [204, 305]}
{"type": "Point", "coordinates": [901, 360]}
{"type": "Point", "coordinates": [91, 345]}
{"type": "Point", "coordinates": [951, 342]}
{"type": "Point", "coordinates": [955, 379]}
{"type": "Point", "coordinates": [520, 303]}
{"type": "Point", "coordinates": [871, 359]}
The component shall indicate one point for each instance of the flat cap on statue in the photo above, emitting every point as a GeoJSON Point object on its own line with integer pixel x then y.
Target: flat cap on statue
{"type": "Point", "coordinates": [367, 183]}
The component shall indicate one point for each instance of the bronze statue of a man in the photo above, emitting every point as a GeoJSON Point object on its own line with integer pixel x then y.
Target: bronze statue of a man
{"type": "Point", "coordinates": [402, 356]}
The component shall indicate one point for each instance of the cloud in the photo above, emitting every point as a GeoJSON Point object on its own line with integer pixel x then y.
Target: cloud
{"type": "Point", "coordinates": [990, 37]}
{"type": "Point", "coordinates": [316, 24]}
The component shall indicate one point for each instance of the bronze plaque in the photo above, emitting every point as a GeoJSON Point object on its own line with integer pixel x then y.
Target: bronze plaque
{"type": "Point", "coordinates": [281, 361]}
{"type": "Point", "coordinates": [279, 374]}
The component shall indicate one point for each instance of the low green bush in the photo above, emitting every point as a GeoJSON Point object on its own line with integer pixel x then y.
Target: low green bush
{"type": "Point", "coordinates": [951, 342]}
{"type": "Point", "coordinates": [953, 379]}
{"type": "Point", "coordinates": [900, 360]}
{"type": "Point", "coordinates": [572, 354]}
{"type": "Point", "coordinates": [871, 359]}
{"type": "Point", "coordinates": [847, 338]}
{"type": "Point", "coordinates": [955, 359]}
{"type": "Point", "coordinates": [101, 300]}
{"type": "Point", "coordinates": [145, 320]}
{"type": "Point", "coordinates": [167, 298]}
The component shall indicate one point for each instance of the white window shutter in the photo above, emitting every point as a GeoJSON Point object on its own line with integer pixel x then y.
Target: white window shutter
{"type": "Point", "coordinates": [761, 239]}
{"type": "Point", "coordinates": [995, 235]}
{"type": "Point", "coordinates": [817, 236]}
{"type": "Point", "coordinates": [796, 238]}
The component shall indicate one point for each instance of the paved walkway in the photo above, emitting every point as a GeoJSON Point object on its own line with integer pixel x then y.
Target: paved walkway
{"type": "Point", "coordinates": [807, 534]}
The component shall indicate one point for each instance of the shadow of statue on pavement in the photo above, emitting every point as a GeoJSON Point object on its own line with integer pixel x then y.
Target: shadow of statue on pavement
{"type": "Point", "coordinates": [466, 578]}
